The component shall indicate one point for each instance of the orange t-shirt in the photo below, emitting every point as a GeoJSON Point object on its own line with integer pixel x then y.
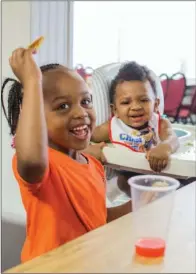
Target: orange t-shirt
{"type": "Point", "coordinates": [69, 202]}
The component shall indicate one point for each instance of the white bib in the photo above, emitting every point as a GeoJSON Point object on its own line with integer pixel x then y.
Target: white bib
{"type": "Point", "coordinates": [137, 140]}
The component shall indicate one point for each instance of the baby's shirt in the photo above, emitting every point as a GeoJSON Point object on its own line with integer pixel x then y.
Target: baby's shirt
{"type": "Point", "coordinates": [137, 140]}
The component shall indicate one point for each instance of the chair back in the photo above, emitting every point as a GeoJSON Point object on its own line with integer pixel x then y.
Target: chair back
{"type": "Point", "coordinates": [175, 94]}
{"type": "Point", "coordinates": [164, 83]}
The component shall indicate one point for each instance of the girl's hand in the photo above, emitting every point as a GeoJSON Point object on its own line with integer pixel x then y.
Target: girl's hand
{"type": "Point", "coordinates": [158, 157]}
{"type": "Point", "coordinates": [99, 152]}
{"type": "Point", "coordinates": [24, 66]}
{"type": "Point", "coordinates": [96, 151]}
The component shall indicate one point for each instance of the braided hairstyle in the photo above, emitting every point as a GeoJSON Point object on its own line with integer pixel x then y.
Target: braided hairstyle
{"type": "Point", "coordinates": [131, 71]}
{"type": "Point", "coordinates": [15, 96]}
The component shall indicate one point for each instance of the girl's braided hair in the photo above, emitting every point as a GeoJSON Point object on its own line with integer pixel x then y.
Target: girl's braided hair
{"type": "Point", "coordinates": [15, 96]}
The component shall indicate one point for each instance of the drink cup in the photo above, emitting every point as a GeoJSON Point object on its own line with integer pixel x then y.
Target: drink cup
{"type": "Point", "coordinates": [152, 204]}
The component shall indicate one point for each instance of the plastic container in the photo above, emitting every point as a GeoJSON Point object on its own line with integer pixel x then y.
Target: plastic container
{"type": "Point", "coordinates": [148, 188]}
{"type": "Point", "coordinates": [152, 204]}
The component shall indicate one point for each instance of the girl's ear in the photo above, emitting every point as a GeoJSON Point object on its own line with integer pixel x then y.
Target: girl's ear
{"type": "Point", "coordinates": [156, 105]}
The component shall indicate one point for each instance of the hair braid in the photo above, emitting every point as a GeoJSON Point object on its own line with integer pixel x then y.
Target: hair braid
{"type": "Point", "coordinates": [15, 96]}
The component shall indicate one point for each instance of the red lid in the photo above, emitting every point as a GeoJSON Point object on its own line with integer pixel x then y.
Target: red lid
{"type": "Point", "coordinates": [150, 247]}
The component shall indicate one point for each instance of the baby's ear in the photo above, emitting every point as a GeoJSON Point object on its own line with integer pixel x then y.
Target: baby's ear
{"type": "Point", "coordinates": [113, 109]}
{"type": "Point", "coordinates": [156, 105]}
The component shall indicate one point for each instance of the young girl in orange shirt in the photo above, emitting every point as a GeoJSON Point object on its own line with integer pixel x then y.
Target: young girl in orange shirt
{"type": "Point", "coordinates": [51, 115]}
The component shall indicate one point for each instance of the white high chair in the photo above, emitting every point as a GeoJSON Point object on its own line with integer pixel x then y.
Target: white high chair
{"type": "Point", "coordinates": [101, 80]}
{"type": "Point", "coordinates": [182, 163]}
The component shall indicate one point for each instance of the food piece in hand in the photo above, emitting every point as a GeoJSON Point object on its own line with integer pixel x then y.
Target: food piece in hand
{"type": "Point", "coordinates": [37, 43]}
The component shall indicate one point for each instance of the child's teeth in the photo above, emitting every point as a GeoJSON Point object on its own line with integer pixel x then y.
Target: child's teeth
{"type": "Point", "coordinates": [80, 128]}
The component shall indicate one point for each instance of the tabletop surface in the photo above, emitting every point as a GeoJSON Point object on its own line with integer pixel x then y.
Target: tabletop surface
{"type": "Point", "coordinates": [110, 248]}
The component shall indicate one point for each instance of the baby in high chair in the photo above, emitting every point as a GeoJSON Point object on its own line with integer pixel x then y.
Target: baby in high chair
{"type": "Point", "coordinates": [136, 122]}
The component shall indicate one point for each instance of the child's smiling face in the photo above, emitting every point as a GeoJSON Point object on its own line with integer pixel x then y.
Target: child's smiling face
{"type": "Point", "coordinates": [135, 102]}
{"type": "Point", "coordinates": [69, 112]}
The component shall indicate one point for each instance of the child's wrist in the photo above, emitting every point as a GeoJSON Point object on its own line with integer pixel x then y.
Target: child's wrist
{"type": "Point", "coordinates": [167, 147]}
{"type": "Point", "coordinates": [32, 84]}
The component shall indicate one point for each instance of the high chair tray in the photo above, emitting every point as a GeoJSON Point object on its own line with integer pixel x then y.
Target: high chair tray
{"type": "Point", "coordinates": [182, 163]}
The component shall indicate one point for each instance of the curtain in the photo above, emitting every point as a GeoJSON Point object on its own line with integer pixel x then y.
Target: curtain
{"type": "Point", "coordinates": [53, 20]}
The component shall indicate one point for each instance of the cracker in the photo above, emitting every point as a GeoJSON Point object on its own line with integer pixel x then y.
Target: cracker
{"type": "Point", "coordinates": [37, 43]}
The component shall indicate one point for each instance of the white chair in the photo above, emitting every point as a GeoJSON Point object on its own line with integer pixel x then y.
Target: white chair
{"type": "Point", "coordinates": [101, 81]}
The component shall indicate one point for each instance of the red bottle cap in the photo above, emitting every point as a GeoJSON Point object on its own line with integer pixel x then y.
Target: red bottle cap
{"type": "Point", "coordinates": [150, 247]}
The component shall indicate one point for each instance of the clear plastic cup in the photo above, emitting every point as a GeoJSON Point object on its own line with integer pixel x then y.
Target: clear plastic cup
{"type": "Point", "coordinates": [152, 204]}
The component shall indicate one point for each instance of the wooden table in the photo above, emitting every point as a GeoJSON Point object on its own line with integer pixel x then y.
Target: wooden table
{"type": "Point", "coordinates": [110, 248]}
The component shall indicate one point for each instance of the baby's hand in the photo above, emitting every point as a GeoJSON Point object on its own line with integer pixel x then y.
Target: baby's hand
{"type": "Point", "coordinates": [158, 157]}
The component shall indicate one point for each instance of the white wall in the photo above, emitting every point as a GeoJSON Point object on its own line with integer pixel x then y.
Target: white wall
{"type": "Point", "coordinates": [15, 33]}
